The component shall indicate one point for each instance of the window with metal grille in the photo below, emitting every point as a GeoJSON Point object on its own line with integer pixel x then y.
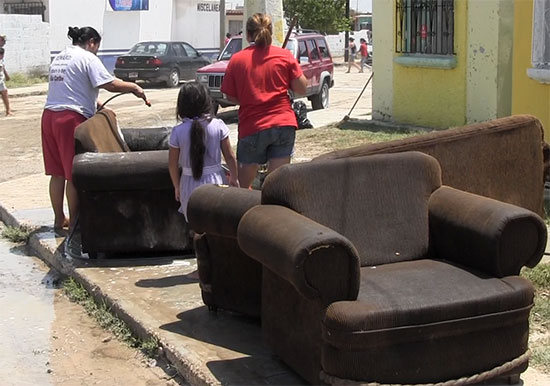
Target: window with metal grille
{"type": "Point", "coordinates": [424, 27]}
{"type": "Point", "coordinates": [25, 8]}
{"type": "Point", "coordinates": [540, 56]}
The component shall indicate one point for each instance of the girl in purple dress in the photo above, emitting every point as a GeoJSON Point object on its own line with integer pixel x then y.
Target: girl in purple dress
{"type": "Point", "coordinates": [196, 146]}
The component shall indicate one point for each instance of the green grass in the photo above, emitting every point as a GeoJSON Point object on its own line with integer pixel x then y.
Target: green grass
{"type": "Point", "coordinates": [18, 234]}
{"type": "Point", "coordinates": [107, 320]}
{"type": "Point", "coordinates": [540, 315]}
{"type": "Point", "coordinates": [23, 80]}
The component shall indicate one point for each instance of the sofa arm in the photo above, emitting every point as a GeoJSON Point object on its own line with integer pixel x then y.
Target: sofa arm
{"type": "Point", "coordinates": [317, 261]}
{"type": "Point", "coordinates": [218, 209]}
{"type": "Point", "coordinates": [147, 139]}
{"type": "Point", "coordinates": [121, 171]}
{"type": "Point", "coordinates": [485, 234]}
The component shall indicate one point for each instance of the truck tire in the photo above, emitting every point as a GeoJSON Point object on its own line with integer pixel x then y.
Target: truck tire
{"type": "Point", "coordinates": [320, 101]}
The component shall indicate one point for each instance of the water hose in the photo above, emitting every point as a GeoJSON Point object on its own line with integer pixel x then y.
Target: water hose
{"type": "Point", "coordinates": [119, 94]}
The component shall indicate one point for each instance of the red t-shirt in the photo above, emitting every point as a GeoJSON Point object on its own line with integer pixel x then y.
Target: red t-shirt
{"type": "Point", "coordinates": [364, 50]}
{"type": "Point", "coordinates": [259, 78]}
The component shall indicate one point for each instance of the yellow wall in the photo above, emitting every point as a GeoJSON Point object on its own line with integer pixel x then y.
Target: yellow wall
{"type": "Point", "coordinates": [528, 95]}
{"type": "Point", "coordinates": [434, 97]}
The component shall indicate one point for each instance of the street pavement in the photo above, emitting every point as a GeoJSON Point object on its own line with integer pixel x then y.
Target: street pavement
{"type": "Point", "coordinates": [157, 297]}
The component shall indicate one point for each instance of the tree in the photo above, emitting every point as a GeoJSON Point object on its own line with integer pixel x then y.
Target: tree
{"type": "Point", "coordinates": [326, 16]}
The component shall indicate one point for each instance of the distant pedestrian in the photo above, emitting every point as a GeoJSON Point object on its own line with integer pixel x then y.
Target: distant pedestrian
{"type": "Point", "coordinates": [3, 89]}
{"type": "Point", "coordinates": [2, 41]}
{"type": "Point", "coordinates": [197, 144]}
{"type": "Point", "coordinates": [352, 51]}
{"type": "Point", "coordinates": [227, 38]}
{"type": "Point", "coordinates": [364, 53]}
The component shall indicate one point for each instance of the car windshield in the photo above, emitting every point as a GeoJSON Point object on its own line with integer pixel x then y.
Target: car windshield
{"type": "Point", "coordinates": [149, 49]}
{"type": "Point", "coordinates": [234, 45]}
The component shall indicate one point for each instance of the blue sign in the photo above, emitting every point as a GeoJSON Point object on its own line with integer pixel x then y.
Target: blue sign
{"type": "Point", "coordinates": [129, 5]}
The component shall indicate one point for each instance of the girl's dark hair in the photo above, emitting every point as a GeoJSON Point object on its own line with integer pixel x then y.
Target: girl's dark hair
{"type": "Point", "coordinates": [194, 103]}
{"type": "Point", "coordinates": [80, 36]}
{"type": "Point", "coordinates": [259, 27]}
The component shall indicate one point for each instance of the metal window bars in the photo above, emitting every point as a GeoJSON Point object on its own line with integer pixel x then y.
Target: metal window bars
{"type": "Point", "coordinates": [424, 27]}
{"type": "Point", "coordinates": [25, 8]}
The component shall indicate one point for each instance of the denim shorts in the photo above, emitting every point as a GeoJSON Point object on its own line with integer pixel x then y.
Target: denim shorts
{"type": "Point", "coordinates": [277, 142]}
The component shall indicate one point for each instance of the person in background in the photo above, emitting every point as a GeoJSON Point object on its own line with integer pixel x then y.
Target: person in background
{"type": "Point", "coordinates": [352, 51]}
{"type": "Point", "coordinates": [3, 89]}
{"type": "Point", "coordinates": [197, 144]}
{"type": "Point", "coordinates": [227, 38]}
{"type": "Point", "coordinates": [75, 77]}
{"type": "Point", "coordinates": [2, 41]}
{"type": "Point", "coordinates": [364, 53]}
{"type": "Point", "coordinates": [258, 79]}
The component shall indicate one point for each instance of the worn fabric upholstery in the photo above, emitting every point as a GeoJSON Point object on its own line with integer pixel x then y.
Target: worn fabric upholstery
{"type": "Point", "coordinates": [229, 279]}
{"type": "Point", "coordinates": [501, 159]}
{"type": "Point", "coordinates": [362, 201]}
{"type": "Point", "coordinates": [430, 312]}
{"type": "Point", "coordinates": [126, 198]}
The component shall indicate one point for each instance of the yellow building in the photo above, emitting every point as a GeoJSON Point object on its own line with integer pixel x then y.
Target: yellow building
{"type": "Point", "coordinates": [444, 63]}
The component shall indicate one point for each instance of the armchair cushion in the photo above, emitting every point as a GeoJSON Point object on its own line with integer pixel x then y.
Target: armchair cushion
{"type": "Point", "coordinates": [484, 234]}
{"type": "Point", "coordinates": [99, 134]}
{"type": "Point", "coordinates": [379, 203]}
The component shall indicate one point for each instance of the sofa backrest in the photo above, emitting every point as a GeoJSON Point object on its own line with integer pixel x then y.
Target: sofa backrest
{"type": "Point", "coordinates": [380, 203]}
{"type": "Point", "coordinates": [99, 134]}
{"type": "Point", "coordinates": [500, 159]}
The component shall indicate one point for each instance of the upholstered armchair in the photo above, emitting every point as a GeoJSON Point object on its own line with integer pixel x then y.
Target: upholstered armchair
{"type": "Point", "coordinates": [374, 272]}
{"type": "Point", "coordinates": [127, 202]}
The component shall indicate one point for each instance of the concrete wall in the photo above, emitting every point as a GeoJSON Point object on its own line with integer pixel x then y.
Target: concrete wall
{"type": "Point", "coordinates": [489, 66]}
{"type": "Point", "coordinates": [529, 96]}
{"type": "Point", "coordinates": [27, 46]}
{"type": "Point", "coordinates": [201, 29]}
{"type": "Point", "coordinates": [383, 40]}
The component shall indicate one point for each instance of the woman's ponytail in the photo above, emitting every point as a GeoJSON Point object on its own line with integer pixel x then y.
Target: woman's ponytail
{"type": "Point", "coordinates": [260, 29]}
{"type": "Point", "coordinates": [197, 149]}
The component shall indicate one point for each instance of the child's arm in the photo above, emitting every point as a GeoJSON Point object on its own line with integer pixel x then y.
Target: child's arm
{"type": "Point", "coordinates": [6, 74]}
{"type": "Point", "coordinates": [231, 161]}
{"type": "Point", "coordinates": [173, 168]}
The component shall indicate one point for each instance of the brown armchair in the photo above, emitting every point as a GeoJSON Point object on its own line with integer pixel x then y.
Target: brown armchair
{"type": "Point", "coordinates": [374, 272]}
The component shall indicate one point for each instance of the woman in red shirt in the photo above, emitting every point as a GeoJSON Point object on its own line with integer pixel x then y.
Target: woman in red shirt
{"type": "Point", "coordinates": [258, 79]}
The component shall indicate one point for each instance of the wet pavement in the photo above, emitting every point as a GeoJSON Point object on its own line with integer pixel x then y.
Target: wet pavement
{"type": "Point", "coordinates": [27, 314]}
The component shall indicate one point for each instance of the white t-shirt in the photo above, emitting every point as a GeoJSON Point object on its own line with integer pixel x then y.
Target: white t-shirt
{"type": "Point", "coordinates": [75, 75]}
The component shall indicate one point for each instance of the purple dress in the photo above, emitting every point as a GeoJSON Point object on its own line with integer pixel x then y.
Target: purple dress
{"type": "Point", "coordinates": [212, 173]}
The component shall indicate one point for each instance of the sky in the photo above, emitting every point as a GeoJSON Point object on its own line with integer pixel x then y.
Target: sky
{"type": "Point", "coordinates": [361, 5]}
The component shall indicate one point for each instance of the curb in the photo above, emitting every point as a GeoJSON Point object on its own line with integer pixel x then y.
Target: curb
{"type": "Point", "coordinates": [28, 93]}
{"type": "Point", "coordinates": [186, 367]}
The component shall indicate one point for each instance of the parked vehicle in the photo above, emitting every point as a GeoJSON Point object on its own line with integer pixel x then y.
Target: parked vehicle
{"type": "Point", "coordinates": [310, 49]}
{"type": "Point", "coordinates": [160, 61]}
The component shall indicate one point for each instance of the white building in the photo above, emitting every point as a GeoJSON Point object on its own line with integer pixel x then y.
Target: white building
{"type": "Point", "coordinates": [194, 21]}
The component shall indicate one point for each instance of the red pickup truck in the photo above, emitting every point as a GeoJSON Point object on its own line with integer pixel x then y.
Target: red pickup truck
{"type": "Point", "coordinates": [310, 49]}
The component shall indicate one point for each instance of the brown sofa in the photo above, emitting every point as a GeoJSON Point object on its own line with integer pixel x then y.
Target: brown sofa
{"type": "Point", "coordinates": [127, 203]}
{"type": "Point", "coordinates": [392, 280]}
{"type": "Point", "coordinates": [501, 159]}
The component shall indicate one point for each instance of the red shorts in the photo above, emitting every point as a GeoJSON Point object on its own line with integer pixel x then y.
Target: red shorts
{"type": "Point", "coordinates": [58, 129]}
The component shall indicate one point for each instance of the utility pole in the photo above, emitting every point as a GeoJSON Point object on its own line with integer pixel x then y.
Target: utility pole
{"type": "Point", "coordinates": [222, 24]}
{"type": "Point", "coordinates": [346, 43]}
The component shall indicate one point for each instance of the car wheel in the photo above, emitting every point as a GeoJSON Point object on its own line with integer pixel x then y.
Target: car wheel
{"type": "Point", "coordinates": [320, 101]}
{"type": "Point", "coordinates": [173, 79]}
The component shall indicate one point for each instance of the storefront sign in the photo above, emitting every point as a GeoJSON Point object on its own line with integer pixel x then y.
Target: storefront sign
{"type": "Point", "coordinates": [208, 7]}
{"type": "Point", "coordinates": [129, 5]}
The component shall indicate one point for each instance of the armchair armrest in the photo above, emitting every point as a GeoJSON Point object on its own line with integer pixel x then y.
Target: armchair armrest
{"type": "Point", "coordinates": [489, 235]}
{"type": "Point", "coordinates": [317, 261]}
{"type": "Point", "coordinates": [121, 171]}
{"type": "Point", "coordinates": [218, 209]}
